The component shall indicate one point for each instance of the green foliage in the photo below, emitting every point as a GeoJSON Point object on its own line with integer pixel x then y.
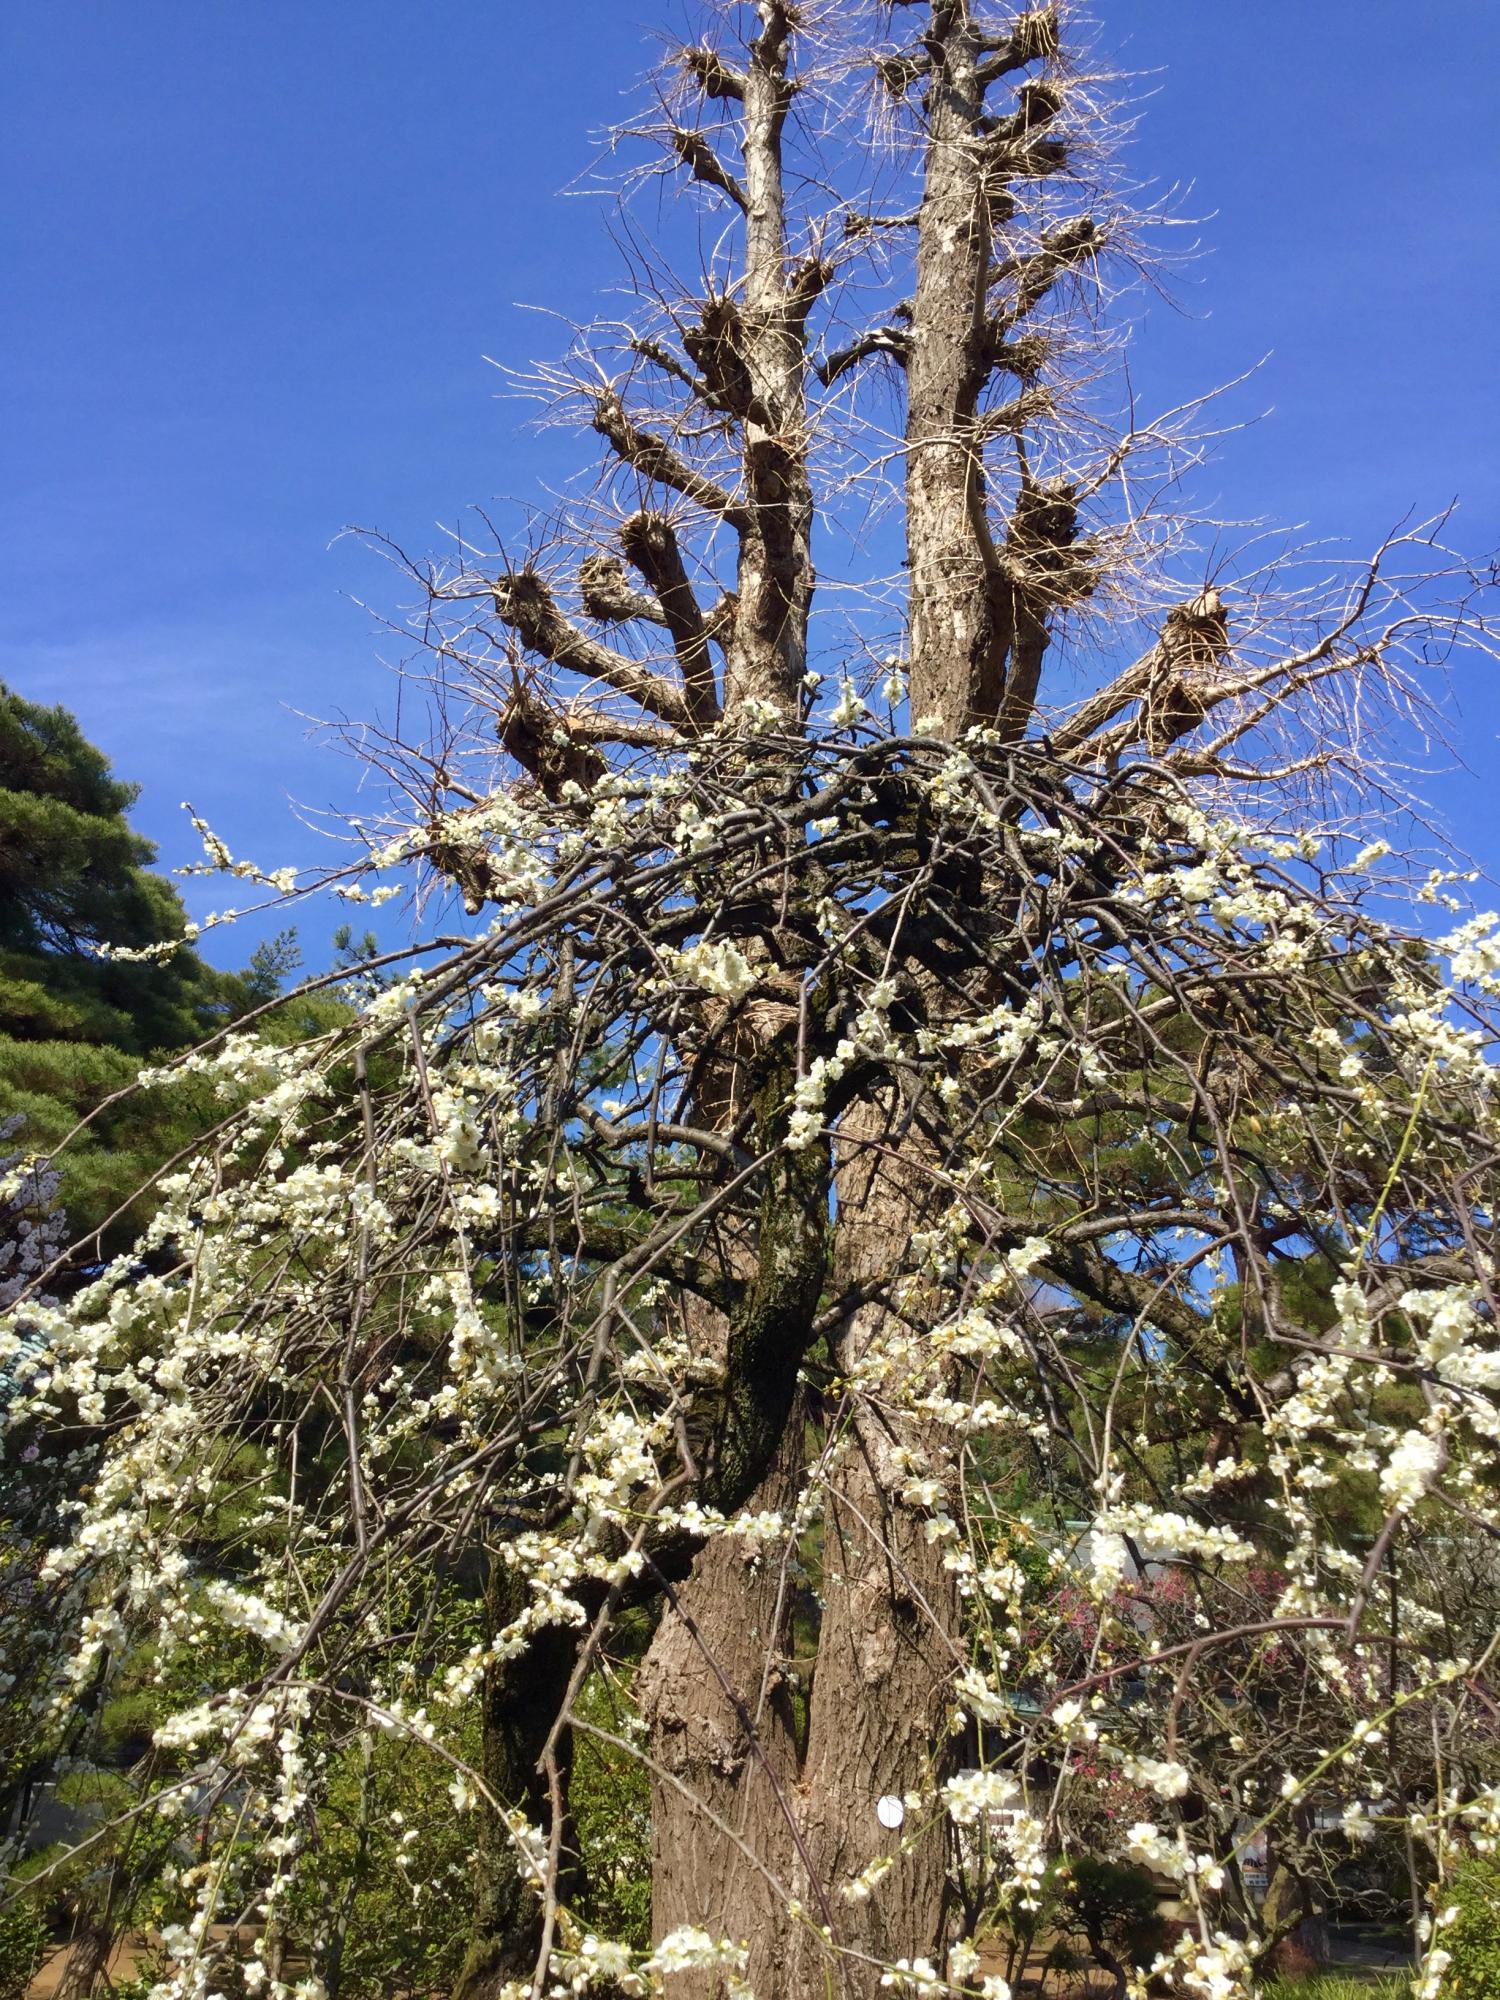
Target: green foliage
{"type": "Point", "coordinates": [1115, 1905]}
{"type": "Point", "coordinates": [392, 1873]}
{"type": "Point", "coordinates": [53, 1085]}
{"type": "Point", "coordinates": [272, 964]}
{"type": "Point", "coordinates": [1092, 1909]}
{"type": "Point", "coordinates": [610, 1799]}
{"type": "Point", "coordinates": [108, 1167]}
{"type": "Point", "coordinates": [1474, 1936]}
{"type": "Point", "coordinates": [74, 876]}
{"type": "Point", "coordinates": [353, 957]}
{"type": "Point", "coordinates": [1340, 1986]}
{"type": "Point", "coordinates": [23, 1942]}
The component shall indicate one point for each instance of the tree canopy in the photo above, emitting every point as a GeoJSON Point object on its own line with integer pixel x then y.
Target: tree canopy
{"type": "Point", "coordinates": [97, 972]}
{"type": "Point", "coordinates": [75, 882]}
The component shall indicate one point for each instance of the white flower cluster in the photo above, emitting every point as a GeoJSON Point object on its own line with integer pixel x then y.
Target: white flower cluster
{"type": "Point", "coordinates": [1474, 952]}
{"type": "Point", "coordinates": [914, 1975]}
{"type": "Point", "coordinates": [245, 1612]}
{"type": "Point", "coordinates": [1410, 1470]}
{"type": "Point", "coordinates": [972, 1795]}
{"type": "Point", "coordinates": [1162, 1775]}
{"type": "Point", "coordinates": [716, 966]}
{"type": "Point", "coordinates": [1217, 1967]}
{"type": "Point", "coordinates": [1169, 1854]}
{"type": "Point", "coordinates": [689, 1948]}
{"type": "Point", "coordinates": [1159, 1535]}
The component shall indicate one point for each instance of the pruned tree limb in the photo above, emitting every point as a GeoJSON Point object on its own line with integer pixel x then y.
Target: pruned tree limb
{"type": "Point", "coordinates": [654, 459]}
{"type": "Point", "coordinates": [703, 164]}
{"type": "Point", "coordinates": [1193, 642]}
{"type": "Point", "coordinates": [650, 543]}
{"type": "Point", "coordinates": [713, 76]}
{"type": "Point", "coordinates": [608, 597]}
{"type": "Point", "coordinates": [891, 340]}
{"type": "Point", "coordinates": [524, 602]}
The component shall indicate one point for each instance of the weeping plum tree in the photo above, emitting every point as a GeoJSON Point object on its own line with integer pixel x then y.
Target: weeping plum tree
{"type": "Point", "coordinates": [918, 1267]}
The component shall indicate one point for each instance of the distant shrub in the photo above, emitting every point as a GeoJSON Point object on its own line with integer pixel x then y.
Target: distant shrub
{"type": "Point", "coordinates": [1114, 1904]}
{"type": "Point", "coordinates": [1340, 1986]}
{"type": "Point", "coordinates": [1474, 1936]}
{"type": "Point", "coordinates": [23, 1941]}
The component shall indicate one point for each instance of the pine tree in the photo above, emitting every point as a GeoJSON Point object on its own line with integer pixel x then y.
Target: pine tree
{"type": "Point", "coordinates": [76, 883]}
{"type": "Point", "coordinates": [75, 877]}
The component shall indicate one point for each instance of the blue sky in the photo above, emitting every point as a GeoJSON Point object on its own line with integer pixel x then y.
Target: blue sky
{"type": "Point", "coordinates": [253, 258]}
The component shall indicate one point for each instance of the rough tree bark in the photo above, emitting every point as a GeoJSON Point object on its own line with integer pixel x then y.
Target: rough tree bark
{"type": "Point", "coordinates": [980, 595]}
{"type": "Point", "coordinates": [713, 1687]}
{"type": "Point", "coordinates": [715, 1695]}
{"type": "Point", "coordinates": [87, 1961]}
{"type": "Point", "coordinates": [888, 1642]}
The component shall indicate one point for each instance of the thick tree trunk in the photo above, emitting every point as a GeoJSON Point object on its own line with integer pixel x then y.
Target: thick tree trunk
{"type": "Point", "coordinates": [713, 1688]}
{"type": "Point", "coordinates": [1292, 1918]}
{"type": "Point", "coordinates": [740, 1821]}
{"type": "Point", "coordinates": [885, 1655]}
{"type": "Point", "coordinates": [889, 1639]}
{"type": "Point", "coordinates": [957, 652]}
{"type": "Point", "coordinates": [757, 361]}
{"type": "Point", "coordinates": [979, 599]}
{"type": "Point", "coordinates": [715, 1695]}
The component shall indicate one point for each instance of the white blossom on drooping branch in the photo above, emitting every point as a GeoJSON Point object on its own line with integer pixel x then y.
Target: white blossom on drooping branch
{"type": "Point", "coordinates": [1199, 1284]}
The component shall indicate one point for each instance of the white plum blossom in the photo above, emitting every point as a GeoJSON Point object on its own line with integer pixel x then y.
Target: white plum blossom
{"type": "Point", "coordinates": [718, 967]}
{"type": "Point", "coordinates": [1410, 1470]}
{"type": "Point", "coordinates": [972, 1795]}
{"type": "Point", "coordinates": [1164, 1776]}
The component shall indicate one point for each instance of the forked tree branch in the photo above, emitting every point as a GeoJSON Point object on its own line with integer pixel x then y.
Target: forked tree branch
{"type": "Point", "coordinates": [524, 602]}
